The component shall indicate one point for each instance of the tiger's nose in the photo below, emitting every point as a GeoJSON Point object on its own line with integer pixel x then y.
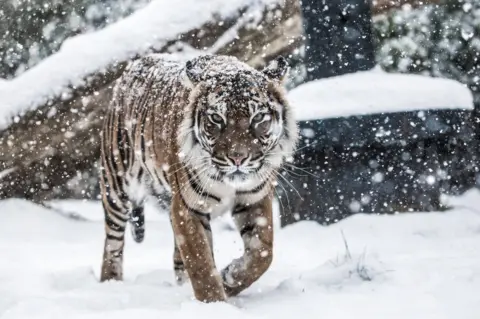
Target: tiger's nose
{"type": "Point", "coordinates": [237, 157]}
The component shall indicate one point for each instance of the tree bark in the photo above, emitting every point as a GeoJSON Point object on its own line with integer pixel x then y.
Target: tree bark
{"type": "Point", "coordinates": [44, 148]}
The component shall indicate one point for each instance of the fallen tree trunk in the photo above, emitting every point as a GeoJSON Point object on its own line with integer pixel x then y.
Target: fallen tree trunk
{"type": "Point", "coordinates": [53, 137]}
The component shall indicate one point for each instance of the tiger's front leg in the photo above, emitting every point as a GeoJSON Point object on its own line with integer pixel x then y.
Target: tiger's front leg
{"type": "Point", "coordinates": [181, 276]}
{"type": "Point", "coordinates": [192, 239]}
{"type": "Point", "coordinates": [256, 228]}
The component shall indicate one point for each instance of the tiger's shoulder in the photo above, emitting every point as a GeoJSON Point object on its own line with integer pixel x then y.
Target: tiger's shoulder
{"type": "Point", "coordinates": [174, 68]}
{"type": "Point", "coordinates": [152, 68]}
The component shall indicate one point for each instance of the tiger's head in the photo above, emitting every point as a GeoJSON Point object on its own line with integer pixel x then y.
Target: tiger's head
{"type": "Point", "coordinates": [239, 127]}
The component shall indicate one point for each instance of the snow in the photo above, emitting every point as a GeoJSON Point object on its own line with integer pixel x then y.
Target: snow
{"type": "Point", "coordinates": [409, 265]}
{"type": "Point", "coordinates": [150, 27]}
{"type": "Point", "coordinates": [376, 91]}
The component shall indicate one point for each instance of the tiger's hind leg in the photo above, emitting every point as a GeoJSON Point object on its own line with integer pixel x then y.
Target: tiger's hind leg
{"type": "Point", "coordinates": [164, 201]}
{"type": "Point", "coordinates": [181, 274]}
{"type": "Point", "coordinates": [115, 205]}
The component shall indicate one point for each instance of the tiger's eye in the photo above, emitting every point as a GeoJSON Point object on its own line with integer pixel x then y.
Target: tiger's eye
{"type": "Point", "coordinates": [216, 118]}
{"type": "Point", "coordinates": [258, 118]}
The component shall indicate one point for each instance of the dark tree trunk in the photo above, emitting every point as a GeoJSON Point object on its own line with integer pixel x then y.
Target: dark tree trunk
{"type": "Point", "coordinates": [338, 37]}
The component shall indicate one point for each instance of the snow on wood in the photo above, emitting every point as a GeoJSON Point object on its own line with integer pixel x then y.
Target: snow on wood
{"type": "Point", "coordinates": [148, 29]}
{"type": "Point", "coordinates": [375, 91]}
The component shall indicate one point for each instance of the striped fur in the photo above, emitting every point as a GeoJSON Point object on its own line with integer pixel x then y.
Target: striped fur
{"type": "Point", "coordinates": [203, 137]}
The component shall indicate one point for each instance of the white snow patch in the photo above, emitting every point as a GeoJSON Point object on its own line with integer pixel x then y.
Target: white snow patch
{"type": "Point", "coordinates": [409, 265]}
{"type": "Point", "coordinates": [376, 91]}
{"type": "Point", "coordinates": [147, 28]}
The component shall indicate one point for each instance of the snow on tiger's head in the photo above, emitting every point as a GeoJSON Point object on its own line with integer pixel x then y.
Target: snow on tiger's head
{"type": "Point", "coordinates": [239, 125]}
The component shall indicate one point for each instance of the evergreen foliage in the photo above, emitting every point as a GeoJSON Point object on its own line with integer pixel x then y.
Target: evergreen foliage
{"type": "Point", "coordinates": [441, 40]}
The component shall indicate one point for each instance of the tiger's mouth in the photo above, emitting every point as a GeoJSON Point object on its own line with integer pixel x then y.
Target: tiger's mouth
{"type": "Point", "coordinates": [238, 175]}
{"type": "Point", "coordinates": [234, 173]}
{"type": "Point", "coordinates": [237, 171]}
{"type": "Point", "coordinates": [238, 178]}
{"type": "Point", "coordinates": [229, 173]}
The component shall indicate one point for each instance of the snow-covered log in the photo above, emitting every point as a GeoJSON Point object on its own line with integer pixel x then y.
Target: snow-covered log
{"type": "Point", "coordinates": [51, 115]}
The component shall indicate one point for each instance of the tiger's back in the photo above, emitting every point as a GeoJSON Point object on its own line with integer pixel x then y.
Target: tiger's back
{"type": "Point", "coordinates": [158, 140]}
{"type": "Point", "coordinates": [128, 155]}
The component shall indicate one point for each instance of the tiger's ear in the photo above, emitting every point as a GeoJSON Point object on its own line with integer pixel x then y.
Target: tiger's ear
{"type": "Point", "coordinates": [192, 74]}
{"type": "Point", "coordinates": [277, 69]}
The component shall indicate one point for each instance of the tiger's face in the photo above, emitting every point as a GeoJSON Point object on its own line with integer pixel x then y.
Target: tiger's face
{"type": "Point", "coordinates": [241, 127]}
{"type": "Point", "coordinates": [239, 130]}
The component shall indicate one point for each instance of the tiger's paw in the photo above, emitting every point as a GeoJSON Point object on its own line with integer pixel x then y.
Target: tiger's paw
{"type": "Point", "coordinates": [232, 288]}
{"type": "Point", "coordinates": [111, 271]}
{"type": "Point", "coordinates": [181, 276]}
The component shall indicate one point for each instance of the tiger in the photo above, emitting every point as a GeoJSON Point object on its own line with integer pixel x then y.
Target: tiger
{"type": "Point", "coordinates": [201, 136]}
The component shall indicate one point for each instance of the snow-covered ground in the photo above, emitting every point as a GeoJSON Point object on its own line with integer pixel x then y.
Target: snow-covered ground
{"type": "Point", "coordinates": [416, 265]}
